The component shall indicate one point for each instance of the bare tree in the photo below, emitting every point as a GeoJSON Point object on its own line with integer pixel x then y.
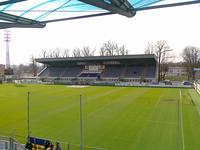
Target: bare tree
{"type": "Point", "coordinates": [33, 66]}
{"type": "Point", "coordinates": [56, 53]}
{"type": "Point", "coordinates": [110, 49]}
{"type": "Point", "coordinates": [163, 52]}
{"type": "Point", "coordinates": [76, 52]}
{"type": "Point", "coordinates": [149, 49]}
{"type": "Point", "coordinates": [65, 53]}
{"type": "Point", "coordinates": [164, 69]}
{"type": "Point", "coordinates": [102, 51]}
{"type": "Point", "coordinates": [191, 57]}
{"type": "Point", "coordinates": [44, 53]}
{"type": "Point", "coordinates": [123, 50]}
{"type": "Point", "coordinates": [27, 69]}
{"type": "Point", "coordinates": [87, 51]}
{"type": "Point", "coordinates": [50, 54]}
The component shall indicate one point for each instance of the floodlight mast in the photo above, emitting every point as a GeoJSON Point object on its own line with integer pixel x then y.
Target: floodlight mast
{"type": "Point", "coordinates": [7, 40]}
{"type": "Point", "coordinates": [81, 124]}
{"type": "Point", "coordinates": [28, 116]}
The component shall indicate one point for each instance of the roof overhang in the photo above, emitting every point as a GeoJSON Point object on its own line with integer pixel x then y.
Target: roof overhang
{"type": "Point", "coordinates": [96, 58]}
{"type": "Point", "coordinates": [122, 7]}
{"type": "Point", "coordinates": [6, 2]}
{"type": "Point", "coordinates": [10, 21]}
{"type": "Point", "coordinates": [20, 22]}
{"type": "Point", "coordinates": [21, 13]}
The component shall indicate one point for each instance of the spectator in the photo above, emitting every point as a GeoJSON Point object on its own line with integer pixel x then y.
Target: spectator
{"type": "Point", "coordinates": [47, 145]}
{"type": "Point", "coordinates": [28, 146]}
{"type": "Point", "coordinates": [58, 146]}
{"type": "Point", "coordinates": [51, 147]}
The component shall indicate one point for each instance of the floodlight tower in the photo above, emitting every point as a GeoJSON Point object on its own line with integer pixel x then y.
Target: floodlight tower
{"type": "Point", "coordinates": [7, 40]}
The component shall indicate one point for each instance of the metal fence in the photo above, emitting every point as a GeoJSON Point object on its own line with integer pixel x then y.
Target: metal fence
{"type": "Point", "coordinates": [197, 86]}
{"type": "Point", "coordinates": [37, 144]}
{"type": "Point", "coordinates": [9, 143]}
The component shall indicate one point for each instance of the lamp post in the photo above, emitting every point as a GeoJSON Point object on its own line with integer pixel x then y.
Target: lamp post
{"type": "Point", "coordinates": [28, 115]}
{"type": "Point", "coordinates": [81, 124]}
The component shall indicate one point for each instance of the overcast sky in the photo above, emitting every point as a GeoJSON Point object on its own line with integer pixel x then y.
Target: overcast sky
{"type": "Point", "coordinates": [179, 26]}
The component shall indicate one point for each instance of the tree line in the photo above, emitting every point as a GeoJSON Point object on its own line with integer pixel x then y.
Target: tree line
{"type": "Point", "coordinates": [107, 49]}
{"type": "Point", "coordinates": [190, 58]}
{"type": "Point", "coordinates": [164, 54]}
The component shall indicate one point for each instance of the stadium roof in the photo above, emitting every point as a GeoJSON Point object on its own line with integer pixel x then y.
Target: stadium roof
{"type": "Point", "coordinates": [37, 13]}
{"type": "Point", "coordinates": [93, 59]}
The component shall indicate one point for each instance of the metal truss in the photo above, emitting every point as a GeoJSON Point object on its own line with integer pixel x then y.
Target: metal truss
{"type": "Point", "coordinates": [9, 21]}
{"type": "Point", "coordinates": [169, 5]}
{"type": "Point", "coordinates": [122, 7]}
{"type": "Point", "coordinates": [10, 2]}
{"type": "Point", "coordinates": [136, 9]}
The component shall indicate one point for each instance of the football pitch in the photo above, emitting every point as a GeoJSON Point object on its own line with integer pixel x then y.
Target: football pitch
{"type": "Point", "coordinates": [114, 118]}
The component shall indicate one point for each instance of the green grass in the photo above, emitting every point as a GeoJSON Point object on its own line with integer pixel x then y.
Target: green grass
{"type": "Point", "coordinates": [115, 118]}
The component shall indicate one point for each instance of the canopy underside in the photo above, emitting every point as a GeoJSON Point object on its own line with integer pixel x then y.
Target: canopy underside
{"type": "Point", "coordinates": [37, 13]}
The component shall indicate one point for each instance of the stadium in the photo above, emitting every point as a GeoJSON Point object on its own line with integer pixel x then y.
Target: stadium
{"type": "Point", "coordinates": [132, 68]}
{"type": "Point", "coordinates": [94, 102]}
{"type": "Point", "coordinates": [71, 108]}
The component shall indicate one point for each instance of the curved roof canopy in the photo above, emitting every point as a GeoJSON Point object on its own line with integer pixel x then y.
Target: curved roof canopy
{"type": "Point", "coordinates": [37, 13]}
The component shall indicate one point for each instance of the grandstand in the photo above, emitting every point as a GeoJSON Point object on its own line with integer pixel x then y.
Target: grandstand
{"type": "Point", "coordinates": [128, 68]}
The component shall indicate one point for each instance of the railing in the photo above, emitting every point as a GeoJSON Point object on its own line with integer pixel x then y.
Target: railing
{"type": "Point", "coordinates": [9, 143]}
{"type": "Point", "coordinates": [40, 144]}
{"type": "Point", "coordinates": [197, 86]}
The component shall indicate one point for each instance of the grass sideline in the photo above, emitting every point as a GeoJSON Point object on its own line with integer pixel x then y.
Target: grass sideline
{"type": "Point", "coordinates": [115, 118]}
